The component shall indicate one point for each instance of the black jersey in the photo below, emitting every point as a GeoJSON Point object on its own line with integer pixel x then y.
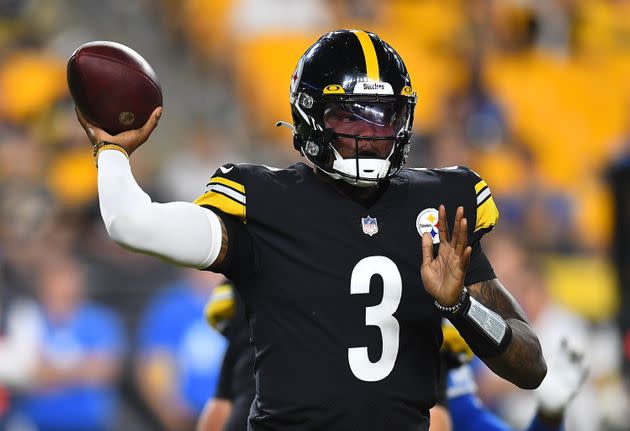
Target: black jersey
{"type": "Point", "coordinates": [345, 336]}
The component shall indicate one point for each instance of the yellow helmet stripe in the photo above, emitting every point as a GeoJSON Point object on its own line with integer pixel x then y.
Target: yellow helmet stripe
{"type": "Point", "coordinates": [371, 61]}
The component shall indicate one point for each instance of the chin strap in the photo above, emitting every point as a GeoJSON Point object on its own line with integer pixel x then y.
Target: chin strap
{"type": "Point", "coordinates": [316, 146]}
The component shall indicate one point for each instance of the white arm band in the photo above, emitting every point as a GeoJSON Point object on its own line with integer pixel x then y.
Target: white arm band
{"type": "Point", "coordinates": [179, 232]}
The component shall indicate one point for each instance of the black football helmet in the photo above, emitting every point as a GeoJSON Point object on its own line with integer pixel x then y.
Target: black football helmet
{"type": "Point", "coordinates": [357, 74]}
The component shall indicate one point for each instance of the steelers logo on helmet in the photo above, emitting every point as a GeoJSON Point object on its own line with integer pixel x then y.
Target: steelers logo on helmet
{"type": "Point", "coordinates": [334, 89]}
{"type": "Point", "coordinates": [358, 126]}
{"type": "Point", "coordinates": [427, 221]}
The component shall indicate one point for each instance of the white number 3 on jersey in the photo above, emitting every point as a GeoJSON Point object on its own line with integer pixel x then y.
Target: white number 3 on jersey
{"type": "Point", "coordinates": [380, 315]}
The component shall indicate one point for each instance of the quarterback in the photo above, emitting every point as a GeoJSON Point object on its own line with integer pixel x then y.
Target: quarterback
{"type": "Point", "coordinates": [346, 265]}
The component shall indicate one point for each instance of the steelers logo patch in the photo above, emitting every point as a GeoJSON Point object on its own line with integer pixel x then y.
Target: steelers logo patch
{"type": "Point", "coordinates": [427, 221]}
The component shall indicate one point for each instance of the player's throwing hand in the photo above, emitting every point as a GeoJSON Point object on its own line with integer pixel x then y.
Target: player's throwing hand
{"type": "Point", "coordinates": [443, 276]}
{"type": "Point", "coordinates": [129, 140]}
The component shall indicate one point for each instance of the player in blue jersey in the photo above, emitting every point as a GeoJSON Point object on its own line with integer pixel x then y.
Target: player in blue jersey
{"type": "Point", "coordinates": [566, 373]}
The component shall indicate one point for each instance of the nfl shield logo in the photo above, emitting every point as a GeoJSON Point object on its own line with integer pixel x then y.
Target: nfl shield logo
{"type": "Point", "coordinates": [370, 226]}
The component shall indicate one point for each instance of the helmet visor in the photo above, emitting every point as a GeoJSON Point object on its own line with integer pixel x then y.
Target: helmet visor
{"type": "Point", "coordinates": [379, 119]}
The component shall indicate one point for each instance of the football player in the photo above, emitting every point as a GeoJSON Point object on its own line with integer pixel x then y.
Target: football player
{"type": "Point", "coordinates": [347, 264]}
{"type": "Point", "coordinates": [229, 408]}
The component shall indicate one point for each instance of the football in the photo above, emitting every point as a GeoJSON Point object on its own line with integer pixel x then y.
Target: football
{"type": "Point", "coordinates": [113, 86]}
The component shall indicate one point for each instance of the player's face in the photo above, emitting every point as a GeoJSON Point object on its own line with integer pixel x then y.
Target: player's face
{"type": "Point", "coordinates": [366, 120]}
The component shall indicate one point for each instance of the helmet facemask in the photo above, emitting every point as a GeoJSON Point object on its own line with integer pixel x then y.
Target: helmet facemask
{"type": "Point", "coordinates": [359, 139]}
{"type": "Point", "coordinates": [364, 136]}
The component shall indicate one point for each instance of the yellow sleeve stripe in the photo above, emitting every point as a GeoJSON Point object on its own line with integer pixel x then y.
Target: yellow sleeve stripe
{"type": "Point", "coordinates": [487, 214]}
{"type": "Point", "coordinates": [229, 183]}
{"type": "Point", "coordinates": [223, 203]}
{"type": "Point", "coordinates": [371, 61]}
{"type": "Point", "coordinates": [480, 185]}
{"type": "Point", "coordinates": [483, 195]}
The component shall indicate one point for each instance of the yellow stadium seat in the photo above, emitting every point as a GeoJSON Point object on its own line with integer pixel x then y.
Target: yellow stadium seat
{"type": "Point", "coordinates": [568, 112]}
{"type": "Point", "coordinates": [433, 24]}
{"type": "Point", "coordinates": [571, 113]}
{"type": "Point", "coordinates": [503, 170]}
{"type": "Point", "coordinates": [433, 78]}
{"type": "Point", "coordinates": [604, 28]}
{"type": "Point", "coordinates": [263, 67]}
{"type": "Point", "coordinates": [426, 35]}
{"type": "Point", "coordinates": [207, 25]}
{"type": "Point", "coordinates": [72, 178]}
{"type": "Point", "coordinates": [586, 285]}
{"type": "Point", "coordinates": [30, 82]}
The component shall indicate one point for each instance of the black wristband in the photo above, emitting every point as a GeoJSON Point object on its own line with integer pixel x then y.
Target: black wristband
{"type": "Point", "coordinates": [455, 309]}
{"type": "Point", "coordinates": [485, 331]}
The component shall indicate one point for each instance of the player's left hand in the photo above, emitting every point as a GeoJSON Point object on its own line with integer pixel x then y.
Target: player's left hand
{"type": "Point", "coordinates": [443, 276]}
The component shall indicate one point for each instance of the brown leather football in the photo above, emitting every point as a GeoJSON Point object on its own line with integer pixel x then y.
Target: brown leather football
{"type": "Point", "coordinates": [113, 86]}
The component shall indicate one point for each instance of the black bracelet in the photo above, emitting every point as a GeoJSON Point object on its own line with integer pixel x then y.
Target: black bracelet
{"type": "Point", "coordinates": [455, 309]}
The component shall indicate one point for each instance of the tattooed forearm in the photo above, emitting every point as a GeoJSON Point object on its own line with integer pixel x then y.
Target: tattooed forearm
{"type": "Point", "coordinates": [493, 295]}
{"type": "Point", "coordinates": [522, 363]}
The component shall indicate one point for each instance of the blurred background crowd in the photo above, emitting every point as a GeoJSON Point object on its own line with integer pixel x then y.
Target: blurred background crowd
{"type": "Point", "coordinates": [534, 95]}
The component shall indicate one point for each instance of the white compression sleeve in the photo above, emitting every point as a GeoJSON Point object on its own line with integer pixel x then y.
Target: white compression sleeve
{"type": "Point", "coordinates": [179, 232]}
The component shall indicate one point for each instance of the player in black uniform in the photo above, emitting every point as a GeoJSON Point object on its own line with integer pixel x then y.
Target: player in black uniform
{"type": "Point", "coordinates": [229, 409]}
{"type": "Point", "coordinates": [347, 267]}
